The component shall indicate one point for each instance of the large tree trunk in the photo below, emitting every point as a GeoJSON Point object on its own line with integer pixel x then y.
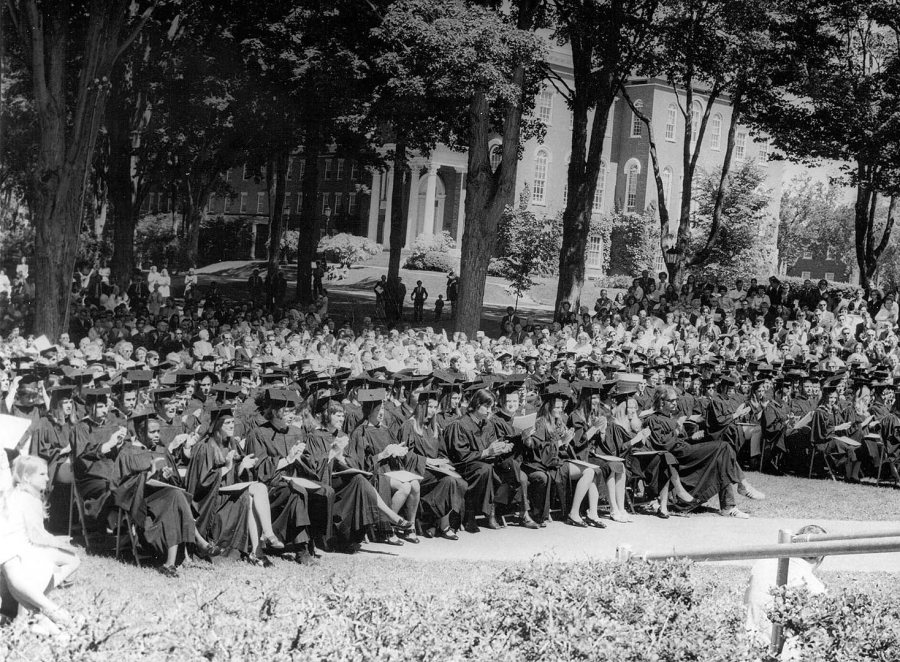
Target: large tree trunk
{"type": "Point", "coordinates": [487, 195]}
{"type": "Point", "coordinates": [276, 210]}
{"type": "Point", "coordinates": [67, 132]}
{"type": "Point", "coordinates": [398, 212]}
{"type": "Point", "coordinates": [596, 90]}
{"type": "Point", "coordinates": [125, 180]}
{"type": "Point", "coordinates": [55, 249]}
{"type": "Point", "coordinates": [309, 218]}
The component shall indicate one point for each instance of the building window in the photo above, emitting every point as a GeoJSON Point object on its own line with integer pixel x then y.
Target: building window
{"type": "Point", "coordinates": [228, 175]}
{"type": "Point", "coordinates": [210, 204]}
{"type": "Point", "coordinates": [667, 186]}
{"type": "Point", "coordinates": [804, 275]}
{"type": "Point", "coordinates": [740, 145]}
{"type": "Point", "coordinates": [631, 184]}
{"type": "Point", "coordinates": [807, 255]}
{"type": "Point", "coordinates": [329, 163]}
{"type": "Point", "coordinates": [763, 156]}
{"type": "Point", "coordinates": [696, 113]}
{"type": "Point", "coordinates": [671, 119]}
{"type": "Point", "coordinates": [245, 173]}
{"type": "Point", "coordinates": [286, 207]}
{"type": "Point", "coordinates": [325, 201]}
{"type": "Point", "coordinates": [226, 206]}
{"type": "Point", "coordinates": [829, 275]}
{"type": "Point", "coordinates": [545, 106]}
{"type": "Point", "coordinates": [299, 202]}
{"type": "Point", "coordinates": [352, 208]}
{"type": "Point", "coordinates": [301, 168]}
{"type": "Point", "coordinates": [659, 264]}
{"type": "Point", "coordinates": [496, 157]}
{"type": "Point", "coordinates": [290, 169]}
{"type": "Point", "coordinates": [338, 203]}
{"type": "Point", "coordinates": [636, 124]}
{"type": "Point", "coordinates": [260, 202]}
{"type": "Point", "coordinates": [354, 171]}
{"type": "Point", "coordinates": [595, 252]}
{"type": "Point", "coordinates": [599, 192]}
{"type": "Point", "coordinates": [715, 132]}
{"type": "Point", "coordinates": [829, 253]}
{"type": "Point", "coordinates": [243, 207]}
{"type": "Point", "coordinates": [539, 186]}
{"type": "Point", "coordinates": [339, 175]}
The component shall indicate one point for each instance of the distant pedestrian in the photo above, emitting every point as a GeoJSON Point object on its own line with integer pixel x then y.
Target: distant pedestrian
{"type": "Point", "coordinates": [452, 291]}
{"type": "Point", "coordinates": [438, 307]}
{"type": "Point", "coordinates": [255, 285]}
{"type": "Point", "coordinates": [419, 296]}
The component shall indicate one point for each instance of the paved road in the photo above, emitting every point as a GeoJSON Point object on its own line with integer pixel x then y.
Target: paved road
{"type": "Point", "coordinates": [566, 543]}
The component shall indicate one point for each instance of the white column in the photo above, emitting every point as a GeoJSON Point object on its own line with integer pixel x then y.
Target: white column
{"type": "Point", "coordinates": [374, 202]}
{"type": "Point", "coordinates": [412, 214]}
{"type": "Point", "coordinates": [431, 188]}
{"type": "Point", "coordinates": [461, 216]}
{"type": "Point", "coordinates": [388, 205]}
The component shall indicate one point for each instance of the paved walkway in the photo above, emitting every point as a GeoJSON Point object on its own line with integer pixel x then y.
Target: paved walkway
{"type": "Point", "coordinates": [566, 543]}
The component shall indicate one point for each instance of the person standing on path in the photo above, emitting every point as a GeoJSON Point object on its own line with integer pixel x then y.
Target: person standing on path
{"type": "Point", "coordinates": [452, 291]}
{"type": "Point", "coordinates": [419, 296]}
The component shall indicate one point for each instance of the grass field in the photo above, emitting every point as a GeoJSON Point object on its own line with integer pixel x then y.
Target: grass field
{"type": "Point", "coordinates": [788, 496]}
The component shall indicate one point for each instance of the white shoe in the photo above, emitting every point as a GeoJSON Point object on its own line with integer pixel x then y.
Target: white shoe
{"type": "Point", "coordinates": [736, 513]}
{"type": "Point", "coordinates": [747, 490]}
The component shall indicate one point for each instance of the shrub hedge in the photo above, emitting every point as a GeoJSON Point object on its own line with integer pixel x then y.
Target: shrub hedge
{"type": "Point", "coordinates": [654, 612]}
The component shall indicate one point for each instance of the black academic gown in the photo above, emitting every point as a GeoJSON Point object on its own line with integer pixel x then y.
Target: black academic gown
{"type": "Point", "coordinates": [162, 514]}
{"type": "Point", "coordinates": [222, 516]}
{"type": "Point", "coordinates": [706, 468]}
{"type": "Point", "coordinates": [442, 495]}
{"type": "Point", "coordinates": [271, 443]}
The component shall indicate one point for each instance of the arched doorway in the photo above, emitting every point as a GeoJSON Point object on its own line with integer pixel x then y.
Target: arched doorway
{"type": "Point", "coordinates": [440, 196]}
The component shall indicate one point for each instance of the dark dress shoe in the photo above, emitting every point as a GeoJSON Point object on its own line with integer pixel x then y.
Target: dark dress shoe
{"type": "Point", "coordinates": [597, 524]}
{"type": "Point", "coordinates": [449, 534]}
{"type": "Point", "coordinates": [575, 522]}
{"type": "Point", "coordinates": [661, 515]}
{"type": "Point", "coordinates": [471, 527]}
{"type": "Point", "coordinates": [168, 571]}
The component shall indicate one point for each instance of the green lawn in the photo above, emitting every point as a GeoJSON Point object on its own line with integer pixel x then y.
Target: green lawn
{"type": "Point", "coordinates": [788, 496]}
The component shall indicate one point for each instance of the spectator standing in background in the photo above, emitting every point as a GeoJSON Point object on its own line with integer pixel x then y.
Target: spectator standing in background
{"type": "Point", "coordinates": [452, 292]}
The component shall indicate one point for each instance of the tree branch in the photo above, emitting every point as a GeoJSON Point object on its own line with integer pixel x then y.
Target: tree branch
{"type": "Point", "coordinates": [134, 33]}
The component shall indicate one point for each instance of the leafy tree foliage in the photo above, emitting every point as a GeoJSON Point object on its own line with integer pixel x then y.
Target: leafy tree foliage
{"type": "Point", "coordinates": [527, 246]}
{"type": "Point", "coordinates": [841, 100]}
{"type": "Point", "coordinates": [811, 218]}
{"type": "Point", "coordinates": [745, 234]}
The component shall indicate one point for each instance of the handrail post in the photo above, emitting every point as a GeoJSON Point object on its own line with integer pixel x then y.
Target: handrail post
{"type": "Point", "coordinates": [781, 578]}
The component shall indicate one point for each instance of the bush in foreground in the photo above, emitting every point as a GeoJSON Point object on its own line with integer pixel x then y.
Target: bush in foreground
{"type": "Point", "coordinates": [353, 609]}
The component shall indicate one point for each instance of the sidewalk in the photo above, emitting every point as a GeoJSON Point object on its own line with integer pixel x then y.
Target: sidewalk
{"type": "Point", "coordinates": [567, 543]}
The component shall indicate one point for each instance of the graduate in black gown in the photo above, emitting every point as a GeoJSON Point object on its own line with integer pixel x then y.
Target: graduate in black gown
{"type": "Point", "coordinates": [232, 511]}
{"type": "Point", "coordinates": [150, 489]}
{"type": "Point", "coordinates": [277, 444]}
{"type": "Point", "coordinates": [443, 490]}
{"type": "Point", "coordinates": [373, 447]}
{"type": "Point", "coordinates": [357, 504]}
{"type": "Point", "coordinates": [96, 443]}
{"type": "Point", "coordinates": [706, 468]}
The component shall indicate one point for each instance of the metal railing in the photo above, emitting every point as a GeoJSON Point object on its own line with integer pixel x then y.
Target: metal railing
{"type": "Point", "coordinates": [788, 546]}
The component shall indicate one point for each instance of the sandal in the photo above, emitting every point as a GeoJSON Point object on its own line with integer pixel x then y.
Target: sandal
{"type": "Point", "coordinates": [393, 540]}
